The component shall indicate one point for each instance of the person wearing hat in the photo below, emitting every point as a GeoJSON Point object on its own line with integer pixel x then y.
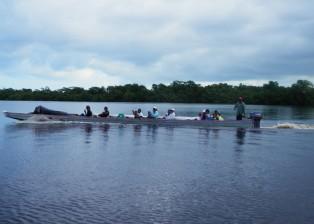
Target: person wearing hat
{"type": "Point", "coordinates": [171, 114]}
{"type": "Point", "coordinates": [153, 114]}
{"type": "Point", "coordinates": [239, 107]}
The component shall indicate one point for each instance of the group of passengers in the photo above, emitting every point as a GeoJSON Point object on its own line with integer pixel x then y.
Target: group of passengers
{"type": "Point", "coordinates": [136, 113]}
{"type": "Point", "coordinates": [154, 114]}
{"type": "Point", "coordinates": [205, 115]}
{"type": "Point", "coordinates": [150, 114]}
{"type": "Point", "coordinates": [88, 112]}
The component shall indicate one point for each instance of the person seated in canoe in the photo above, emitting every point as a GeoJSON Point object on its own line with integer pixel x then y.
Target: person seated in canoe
{"type": "Point", "coordinates": [205, 115]}
{"type": "Point", "coordinates": [138, 113]}
{"type": "Point", "coordinates": [217, 116]}
{"type": "Point", "coordinates": [153, 114]}
{"type": "Point", "coordinates": [199, 116]}
{"type": "Point", "coordinates": [87, 112]}
{"type": "Point", "coordinates": [171, 114]}
{"type": "Point", "coordinates": [105, 113]}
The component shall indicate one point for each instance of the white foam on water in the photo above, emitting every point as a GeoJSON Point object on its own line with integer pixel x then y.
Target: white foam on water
{"type": "Point", "coordinates": [289, 125]}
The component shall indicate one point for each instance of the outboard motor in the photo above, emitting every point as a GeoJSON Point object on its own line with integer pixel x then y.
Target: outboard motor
{"type": "Point", "coordinates": [256, 119]}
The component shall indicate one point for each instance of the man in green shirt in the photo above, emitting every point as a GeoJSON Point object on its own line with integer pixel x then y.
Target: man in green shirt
{"type": "Point", "coordinates": [240, 108]}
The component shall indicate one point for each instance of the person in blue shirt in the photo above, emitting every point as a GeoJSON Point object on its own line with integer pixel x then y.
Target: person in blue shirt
{"type": "Point", "coordinates": [154, 114]}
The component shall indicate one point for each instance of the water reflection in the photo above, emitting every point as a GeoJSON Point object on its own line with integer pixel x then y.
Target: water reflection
{"type": "Point", "coordinates": [88, 128]}
{"type": "Point", "coordinates": [152, 132]}
{"type": "Point", "coordinates": [37, 129]}
{"type": "Point", "coordinates": [240, 136]}
{"type": "Point", "coordinates": [215, 137]}
{"type": "Point", "coordinates": [169, 134]}
{"type": "Point", "coordinates": [104, 129]}
{"type": "Point", "coordinates": [137, 132]}
{"type": "Point", "coordinates": [204, 136]}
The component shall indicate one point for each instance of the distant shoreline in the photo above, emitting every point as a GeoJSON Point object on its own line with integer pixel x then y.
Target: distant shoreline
{"type": "Point", "coordinates": [299, 94]}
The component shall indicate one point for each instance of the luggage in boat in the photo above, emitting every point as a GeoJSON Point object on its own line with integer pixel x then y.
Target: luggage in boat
{"type": "Point", "coordinates": [43, 110]}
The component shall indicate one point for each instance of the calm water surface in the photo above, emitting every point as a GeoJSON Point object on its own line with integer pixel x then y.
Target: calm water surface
{"type": "Point", "coordinates": [97, 173]}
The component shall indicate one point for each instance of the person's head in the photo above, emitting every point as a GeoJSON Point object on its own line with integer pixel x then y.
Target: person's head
{"type": "Point", "coordinates": [105, 108]}
{"type": "Point", "coordinates": [216, 112]}
{"type": "Point", "coordinates": [154, 108]}
{"type": "Point", "coordinates": [149, 113]}
{"type": "Point", "coordinates": [170, 111]}
{"type": "Point", "coordinates": [240, 99]}
{"type": "Point", "coordinates": [139, 110]}
{"type": "Point", "coordinates": [207, 111]}
{"type": "Point", "coordinates": [87, 107]}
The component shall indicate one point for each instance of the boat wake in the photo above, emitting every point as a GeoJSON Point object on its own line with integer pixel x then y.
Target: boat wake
{"type": "Point", "coordinates": [288, 125]}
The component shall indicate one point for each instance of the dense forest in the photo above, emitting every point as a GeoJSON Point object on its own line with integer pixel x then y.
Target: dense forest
{"type": "Point", "coordinates": [301, 93]}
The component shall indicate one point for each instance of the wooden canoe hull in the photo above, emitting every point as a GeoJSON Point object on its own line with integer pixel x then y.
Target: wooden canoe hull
{"type": "Point", "coordinates": [246, 123]}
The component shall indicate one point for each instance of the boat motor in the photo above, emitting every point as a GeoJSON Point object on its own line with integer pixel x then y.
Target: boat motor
{"type": "Point", "coordinates": [256, 119]}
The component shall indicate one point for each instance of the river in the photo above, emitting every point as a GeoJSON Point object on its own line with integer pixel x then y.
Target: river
{"type": "Point", "coordinates": [100, 173]}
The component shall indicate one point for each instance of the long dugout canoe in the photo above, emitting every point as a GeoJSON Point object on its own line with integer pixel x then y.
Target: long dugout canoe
{"type": "Point", "coordinates": [245, 123]}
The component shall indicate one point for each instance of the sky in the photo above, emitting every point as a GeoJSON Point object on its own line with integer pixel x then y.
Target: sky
{"type": "Point", "coordinates": [65, 43]}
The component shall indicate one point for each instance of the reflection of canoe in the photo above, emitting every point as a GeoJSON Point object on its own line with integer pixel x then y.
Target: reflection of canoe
{"type": "Point", "coordinates": [246, 123]}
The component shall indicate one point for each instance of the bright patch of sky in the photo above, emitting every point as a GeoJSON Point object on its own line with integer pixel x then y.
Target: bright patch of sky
{"type": "Point", "coordinates": [108, 42]}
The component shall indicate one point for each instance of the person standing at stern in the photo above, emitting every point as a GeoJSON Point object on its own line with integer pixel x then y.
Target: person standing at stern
{"type": "Point", "coordinates": [239, 107]}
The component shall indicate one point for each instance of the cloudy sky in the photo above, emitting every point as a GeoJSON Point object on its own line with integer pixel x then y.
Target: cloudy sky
{"type": "Point", "coordinates": [63, 43]}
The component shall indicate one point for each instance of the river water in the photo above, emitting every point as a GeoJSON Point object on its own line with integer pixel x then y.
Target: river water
{"type": "Point", "coordinates": [100, 173]}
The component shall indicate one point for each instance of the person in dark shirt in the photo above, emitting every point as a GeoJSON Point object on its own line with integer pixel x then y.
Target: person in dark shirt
{"type": "Point", "coordinates": [205, 114]}
{"type": "Point", "coordinates": [105, 113]}
{"type": "Point", "coordinates": [88, 112]}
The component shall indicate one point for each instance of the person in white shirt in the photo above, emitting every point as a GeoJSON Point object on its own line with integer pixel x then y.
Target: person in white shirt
{"type": "Point", "coordinates": [171, 114]}
{"type": "Point", "coordinates": [138, 113]}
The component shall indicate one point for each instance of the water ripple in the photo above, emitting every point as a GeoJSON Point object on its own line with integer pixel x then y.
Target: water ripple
{"type": "Point", "coordinates": [82, 173]}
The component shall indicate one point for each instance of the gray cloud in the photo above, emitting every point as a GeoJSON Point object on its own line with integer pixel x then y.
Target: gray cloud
{"type": "Point", "coordinates": [155, 41]}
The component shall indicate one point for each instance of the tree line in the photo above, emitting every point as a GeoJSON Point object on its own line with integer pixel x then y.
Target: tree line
{"type": "Point", "coordinates": [300, 93]}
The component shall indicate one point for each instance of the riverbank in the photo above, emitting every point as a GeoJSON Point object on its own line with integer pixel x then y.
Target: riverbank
{"type": "Point", "coordinates": [299, 94]}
